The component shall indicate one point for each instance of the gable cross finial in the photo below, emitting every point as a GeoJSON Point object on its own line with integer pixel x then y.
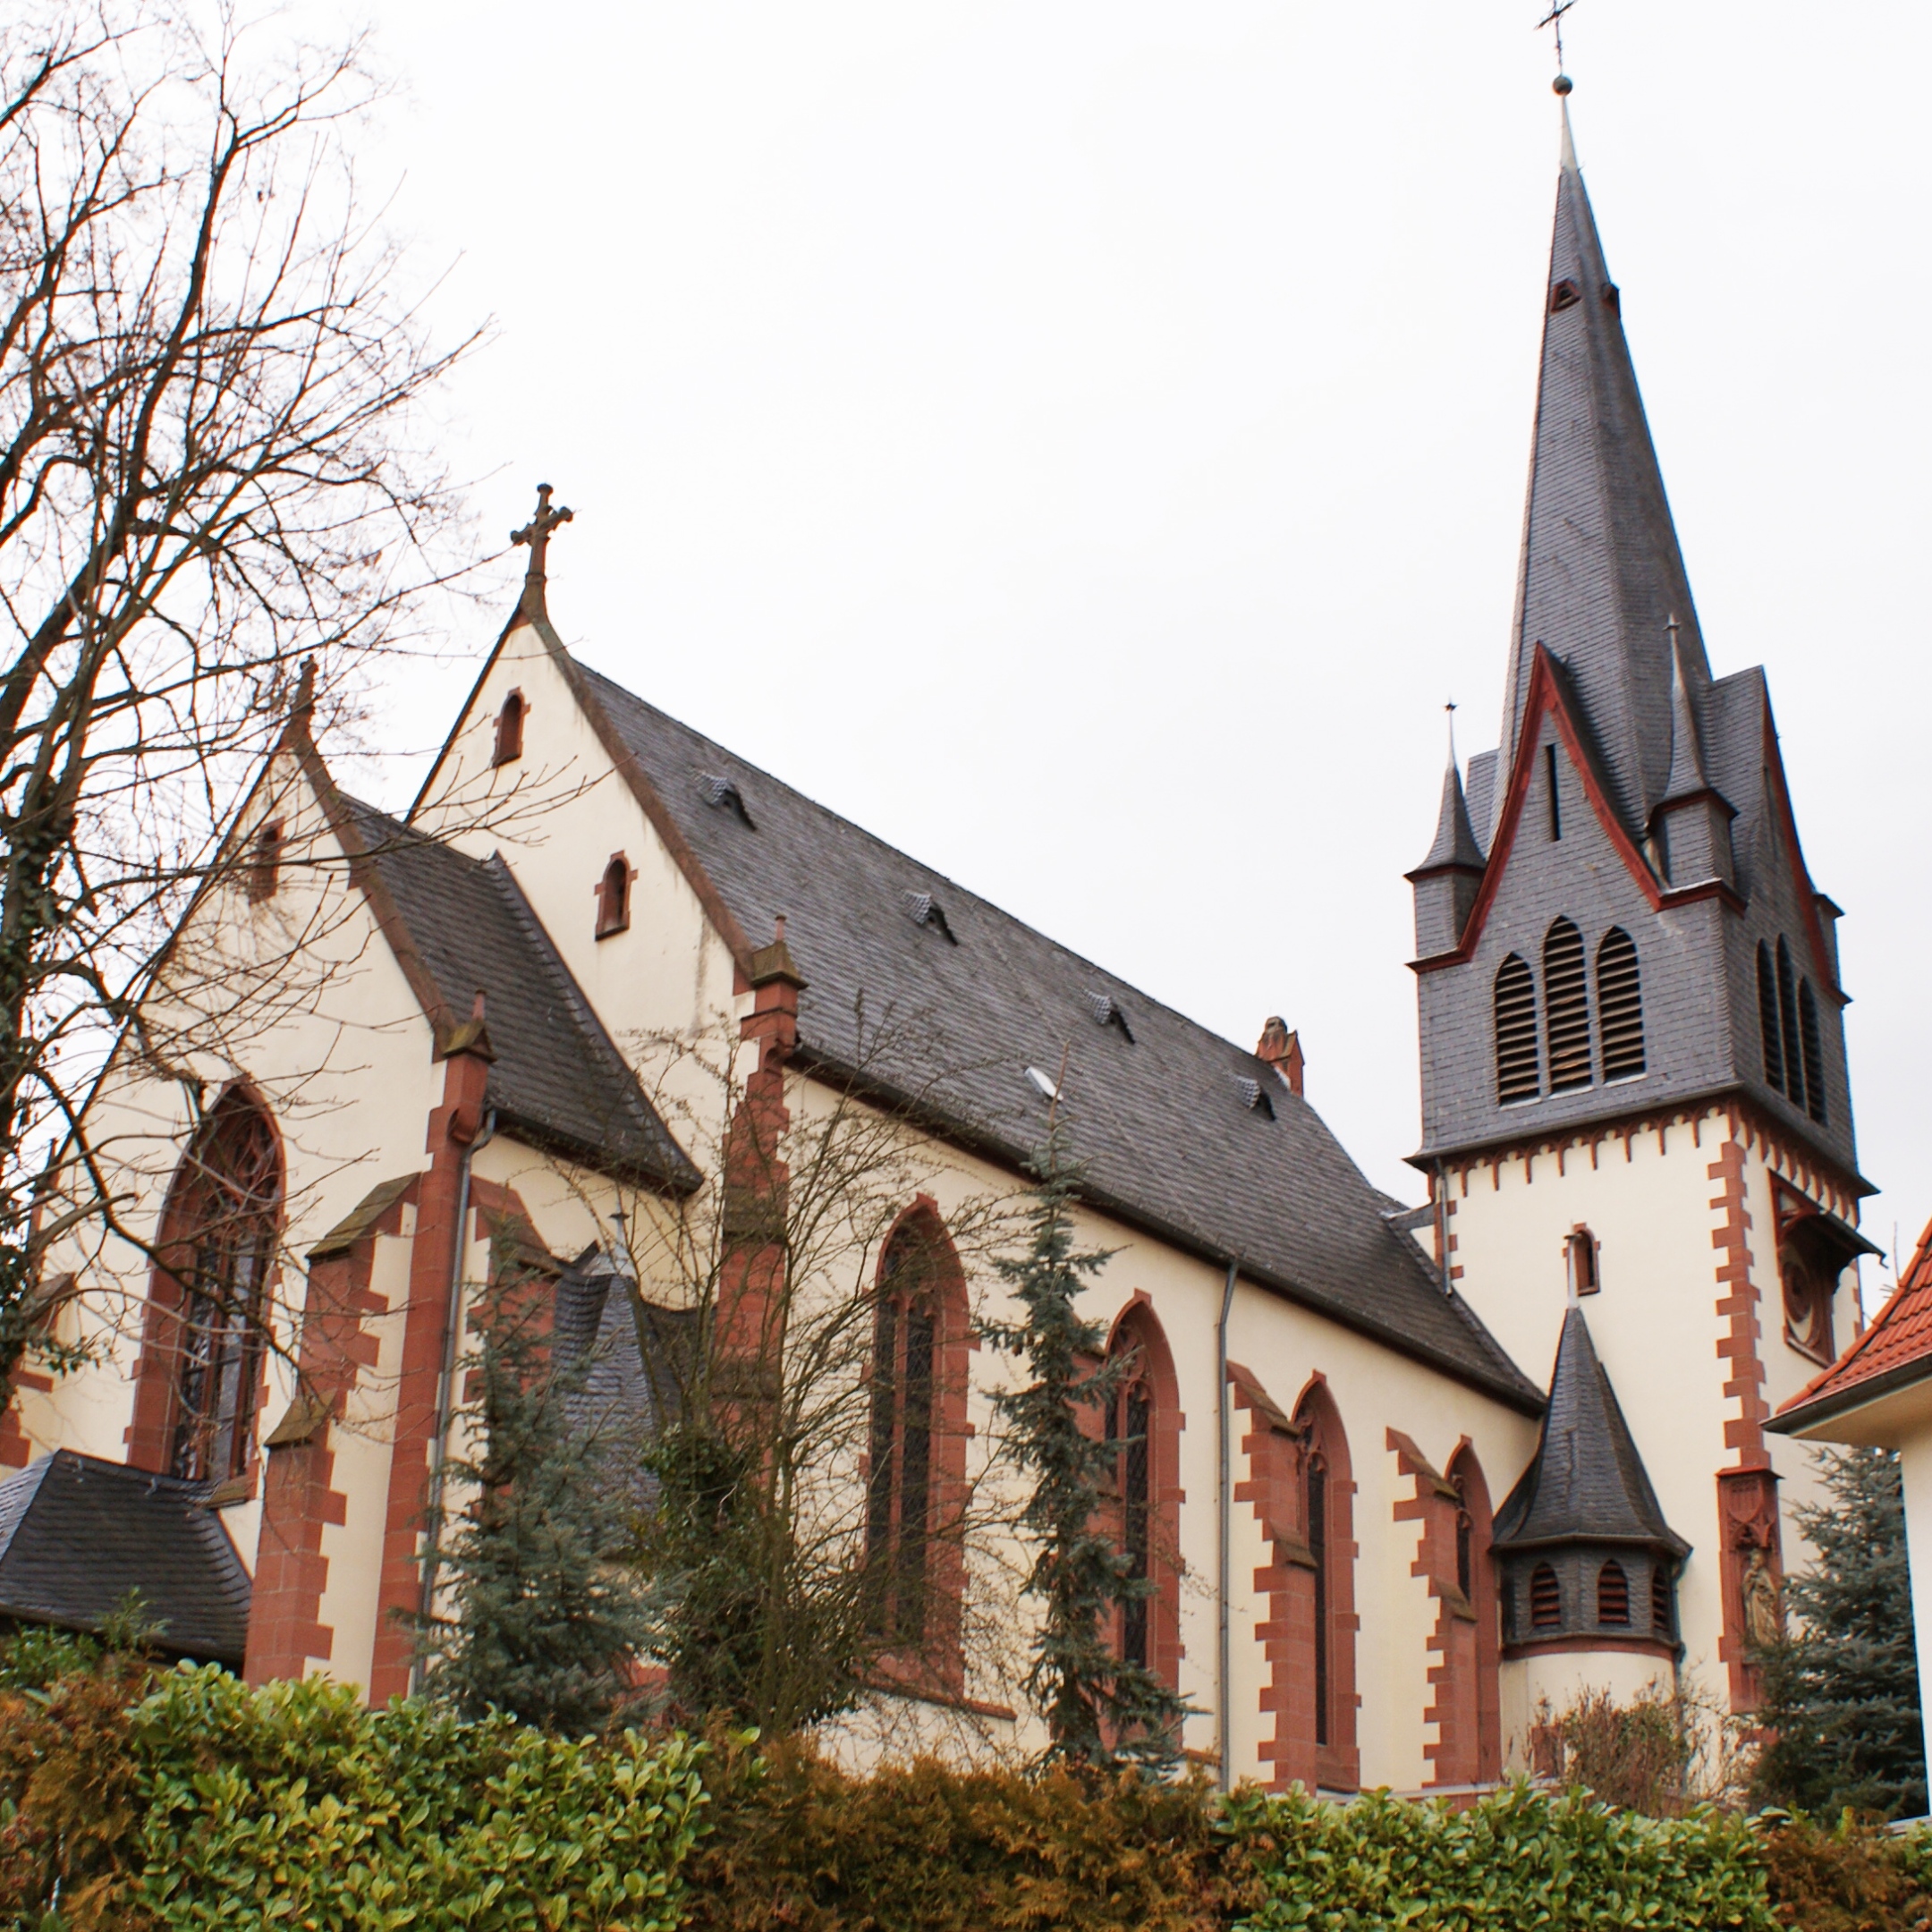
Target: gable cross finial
{"type": "Point", "coordinates": [536, 533]}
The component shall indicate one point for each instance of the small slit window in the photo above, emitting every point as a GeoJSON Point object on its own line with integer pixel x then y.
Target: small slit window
{"type": "Point", "coordinates": [510, 730]}
{"type": "Point", "coordinates": [1566, 1004]}
{"type": "Point", "coordinates": [1767, 1021]}
{"type": "Point", "coordinates": [1579, 1247]}
{"type": "Point", "coordinates": [1814, 1052]}
{"type": "Point", "coordinates": [1613, 1594]}
{"type": "Point", "coordinates": [1555, 795]}
{"type": "Point", "coordinates": [265, 863]}
{"type": "Point", "coordinates": [1515, 1031]}
{"type": "Point", "coordinates": [614, 897]}
{"type": "Point", "coordinates": [1620, 1005]}
{"type": "Point", "coordinates": [1545, 1599]}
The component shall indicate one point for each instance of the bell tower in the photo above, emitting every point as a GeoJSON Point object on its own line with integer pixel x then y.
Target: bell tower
{"type": "Point", "coordinates": [1635, 1098]}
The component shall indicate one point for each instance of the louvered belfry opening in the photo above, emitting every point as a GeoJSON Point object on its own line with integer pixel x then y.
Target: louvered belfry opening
{"type": "Point", "coordinates": [1787, 989]}
{"type": "Point", "coordinates": [1545, 1599]}
{"type": "Point", "coordinates": [1660, 1599]}
{"type": "Point", "coordinates": [1814, 1052]}
{"type": "Point", "coordinates": [1613, 1594]}
{"type": "Point", "coordinates": [1767, 1021]}
{"type": "Point", "coordinates": [1515, 1031]}
{"type": "Point", "coordinates": [1566, 1008]}
{"type": "Point", "coordinates": [1620, 1005]}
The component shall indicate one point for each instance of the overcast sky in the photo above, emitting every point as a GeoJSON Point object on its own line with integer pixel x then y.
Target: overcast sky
{"type": "Point", "coordinates": [1085, 444]}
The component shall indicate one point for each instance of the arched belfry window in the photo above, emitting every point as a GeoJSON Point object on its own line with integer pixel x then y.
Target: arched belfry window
{"type": "Point", "coordinates": [1515, 1031]}
{"type": "Point", "coordinates": [1613, 1594]}
{"type": "Point", "coordinates": [219, 1232]}
{"type": "Point", "coordinates": [1620, 1005]}
{"type": "Point", "coordinates": [1566, 1008]}
{"type": "Point", "coordinates": [1769, 1032]}
{"type": "Point", "coordinates": [510, 730]}
{"type": "Point", "coordinates": [1814, 1052]}
{"type": "Point", "coordinates": [1788, 1034]}
{"type": "Point", "coordinates": [614, 897]}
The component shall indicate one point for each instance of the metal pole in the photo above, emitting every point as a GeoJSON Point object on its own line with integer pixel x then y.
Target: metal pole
{"type": "Point", "coordinates": [1224, 1735]}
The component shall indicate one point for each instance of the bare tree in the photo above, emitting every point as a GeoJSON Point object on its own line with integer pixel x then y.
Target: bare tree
{"type": "Point", "coordinates": [212, 488]}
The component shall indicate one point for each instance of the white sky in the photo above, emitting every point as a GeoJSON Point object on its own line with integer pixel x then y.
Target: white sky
{"type": "Point", "coordinates": [1085, 444]}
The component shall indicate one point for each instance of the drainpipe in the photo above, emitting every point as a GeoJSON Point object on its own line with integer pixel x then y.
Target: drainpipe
{"type": "Point", "coordinates": [1225, 1662]}
{"type": "Point", "coordinates": [446, 1383]}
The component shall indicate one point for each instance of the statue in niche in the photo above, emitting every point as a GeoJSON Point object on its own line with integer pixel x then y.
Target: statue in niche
{"type": "Point", "coordinates": [1764, 1623]}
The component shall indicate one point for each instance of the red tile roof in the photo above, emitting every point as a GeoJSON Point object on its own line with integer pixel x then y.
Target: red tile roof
{"type": "Point", "coordinates": [1898, 1339]}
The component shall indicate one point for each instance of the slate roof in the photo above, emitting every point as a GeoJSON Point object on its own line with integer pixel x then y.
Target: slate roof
{"type": "Point", "coordinates": [1893, 1352]}
{"type": "Point", "coordinates": [1601, 573]}
{"type": "Point", "coordinates": [1587, 1483]}
{"type": "Point", "coordinates": [558, 1079]}
{"type": "Point", "coordinates": [1454, 843]}
{"type": "Point", "coordinates": [78, 1533]}
{"type": "Point", "coordinates": [936, 996]}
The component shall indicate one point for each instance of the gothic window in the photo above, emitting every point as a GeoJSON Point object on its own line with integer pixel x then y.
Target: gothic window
{"type": "Point", "coordinates": [265, 863]}
{"type": "Point", "coordinates": [899, 1498]}
{"type": "Point", "coordinates": [1788, 1037]}
{"type": "Point", "coordinates": [1613, 1594]}
{"type": "Point", "coordinates": [1545, 1599]}
{"type": "Point", "coordinates": [1515, 1031]}
{"type": "Point", "coordinates": [1814, 1052]}
{"type": "Point", "coordinates": [1620, 1005]}
{"type": "Point", "coordinates": [220, 1239]}
{"type": "Point", "coordinates": [1580, 1261]}
{"type": "Point", "coordinates": [1327, 1529]}
{"type": "Point", "coordinates": [1318, 1543]}
{"type": "Point", "coordinates": [1468, 1709]}
{"type": "Point", "coordinates": [1769, 1031]}
{"type": "Point", "coordinates": [614, 897]}
{"type": "Point", "coordinates": [508, 730]}
{"type": "Point", "coordinates": [1566, 1008]}
{"type": "Point", "coordinates": [1129, 1428]}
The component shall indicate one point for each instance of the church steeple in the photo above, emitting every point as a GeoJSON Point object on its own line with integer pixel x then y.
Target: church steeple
{"type": "Point", "coordinates": [1601, 573]}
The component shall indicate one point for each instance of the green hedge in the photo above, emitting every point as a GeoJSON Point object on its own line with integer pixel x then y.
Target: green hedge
{"type": "Point", "coordinates": [1521, 1857]}
{"type": "Point", "coordinates": [220, 1805]}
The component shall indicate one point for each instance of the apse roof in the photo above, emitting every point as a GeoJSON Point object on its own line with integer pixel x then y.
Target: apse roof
{"type": "Point", "coordinates": [78, 1536]}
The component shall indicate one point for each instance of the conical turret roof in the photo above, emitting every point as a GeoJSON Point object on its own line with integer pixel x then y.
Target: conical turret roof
{"type": "Point", "coordinates": [1601, 573]}
{"type": "Point", "coordinates": [1587, 1483]}
{"type": "Point", "coordinates": [1454, 844]}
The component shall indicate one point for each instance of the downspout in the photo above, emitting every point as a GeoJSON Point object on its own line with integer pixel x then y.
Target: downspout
{"type": "Point", "coordinates": [1224, 1661]}
{"type": "Point", "coordinates": [446, 1386]}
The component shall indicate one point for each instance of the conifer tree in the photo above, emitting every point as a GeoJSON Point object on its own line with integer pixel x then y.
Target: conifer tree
{"type": "Point", "coordinates": [543, 1615]}
{"type": "Point", "coordinates": [1842, 1691]}
{"type": "Point", "coordinates": [1100, 1709]}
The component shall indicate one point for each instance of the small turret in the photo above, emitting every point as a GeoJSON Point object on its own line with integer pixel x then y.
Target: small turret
{"type": "Point", "coordinates": [1691, 822]}
{"type": "Point", "coordinates": [1447, 880]}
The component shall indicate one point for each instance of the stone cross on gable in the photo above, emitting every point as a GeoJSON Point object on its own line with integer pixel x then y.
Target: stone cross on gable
{"type": "Point", "coordinates": [536, 533]}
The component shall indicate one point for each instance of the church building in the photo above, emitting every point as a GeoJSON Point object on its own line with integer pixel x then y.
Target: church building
{"type": "Point", "coordinates": [1399, 1476]}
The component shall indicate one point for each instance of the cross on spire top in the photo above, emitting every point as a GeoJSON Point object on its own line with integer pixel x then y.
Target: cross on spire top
{"type": "Point", "coordinates": [1554, 21]}
{"type": "Point", "coordinates": [536, 533]}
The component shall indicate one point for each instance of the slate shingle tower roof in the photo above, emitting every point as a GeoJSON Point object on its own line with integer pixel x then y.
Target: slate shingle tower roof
{"type": "Point", "coordinates": [1587, 1482]}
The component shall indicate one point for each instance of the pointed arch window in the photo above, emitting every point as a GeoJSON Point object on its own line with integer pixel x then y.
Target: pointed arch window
{"type": "Point", "coordinates": [1769, 1033]}
{"type": "Point", "coordinates": [1515, 1031]}
{"type": "Point", "coordinates": [1566, 1008]}
{"type": "Point", "coordinates": [614, 897]}
{"type": "Point", "coordinates": [1813, 1049]}
{"type": "Point", "coordinates": [1788, 1031]}
{"type": "Point", "coordinates": [1318, 1543]}
{"type": "Point", "coordinates": [265, 862]}
{"type": "Point", "coordinates": [220, 1227]}
{"type": "Point", "coordinates": [509, 745]}
{"type": "Point", "coordinates": [1129, 1428]}
{"type": "Point", "coordinates": [1620, 1005]}
{"type": "Point", "coordinates": [899, 1501]}
{"type": "Point", "coordinates": [1613, 1594]}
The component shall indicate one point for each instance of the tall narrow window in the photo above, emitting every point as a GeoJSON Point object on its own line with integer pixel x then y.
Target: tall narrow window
{"type": "Point", "coordinates": [1515, 1031]}
{"type": "Point", "coordinates": [1620, 1005]}
{"type": "Point", "coordinates": [1556, 797]}
{"type": "Point", "coordinates": [899, 1495]}
{"type": "Point", "coordinates": [1580, 1261]}
{"type": "Point", "coordinates": [508, 730]}
{"type": "Point", "coordinates": [220, 1226]}
{"type": "Point", "coordinates": [1814, 1052]}
{"type": "Point", "coordinates": [1129, 1426]}
{"type": "Point", "coordinates": [265, 862]}
{"type": "Point", "coordinates": [1787, 986]}
{"type": "Point", "coordinates": [1465, 1563]}
{"type": "Point", "coordinates": [1613, 1594]}
{"type": "Point", "coordinates": [1769, 1031]}
{"type": "Point", "coordinates": [1566, 1008]}
{"type": "Point", "coordinates": [1318, 1543]}
{"type": "Point", "coordinates": [614, 897]}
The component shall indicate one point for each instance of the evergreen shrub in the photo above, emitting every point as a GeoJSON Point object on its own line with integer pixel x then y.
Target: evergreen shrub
{"type": "Point", "coordinates": [1851, 1876]}
{"type": "Point", "coordinates": [206, 1802]}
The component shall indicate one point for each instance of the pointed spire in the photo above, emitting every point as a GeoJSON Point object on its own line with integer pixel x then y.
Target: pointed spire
{"type": "Point", "coordinates": [1687, 779]}
{"type": "Point", "coordinates": [1587, 1482]}
{"type": "Point", "coordinates": [1454, 844]}
{"type": "Point", "coordinates": [1601, 569]}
